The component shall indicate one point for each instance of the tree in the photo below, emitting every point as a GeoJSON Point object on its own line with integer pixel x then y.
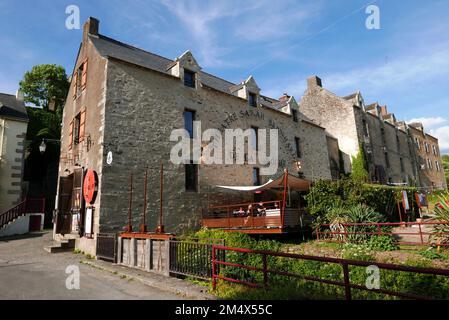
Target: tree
{"type": "Point", "coordinates": [360, 166]}
{"type": "Point", "coordinates": [446, 167]}
{"type": "Point", "coordinates": [42, 85]}
{"type": "Point", "coordinates": [45, 83]}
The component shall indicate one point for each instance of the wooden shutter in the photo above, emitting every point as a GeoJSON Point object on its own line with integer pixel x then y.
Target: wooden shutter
{"type": "Point", "coordinates": [84, 75]}
{"type": "Point", "coordinates": [82, 124]}
{"type": "Point", "coordinates": [74, 81]}
{"type": "Point", "coordinates": [70, 135]}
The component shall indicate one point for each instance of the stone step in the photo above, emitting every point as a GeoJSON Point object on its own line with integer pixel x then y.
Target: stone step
{"type": "Point", "coordinates": [61, 246]}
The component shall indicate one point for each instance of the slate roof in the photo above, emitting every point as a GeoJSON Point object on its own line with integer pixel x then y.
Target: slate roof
{"type": "Point", "coordinates": [108, 47]}
{"type": "Point", "coordinates": [10, 107]}
{"type": "Point", "coordinates": [351, 96]}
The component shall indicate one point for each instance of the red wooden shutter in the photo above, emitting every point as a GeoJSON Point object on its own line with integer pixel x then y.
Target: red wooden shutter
{"type": "Point", "coordinates": [70, 135]}
{"type": "Point", "coordinates": [84, 76]}
{"type": "Point", "coordinates": [82, 124]}
{"type": "Point", "coordinates": [74, 81]}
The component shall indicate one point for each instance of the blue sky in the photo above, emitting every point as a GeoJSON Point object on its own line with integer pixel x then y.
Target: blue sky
{"type": "Point", "coordinates": [404, 65]}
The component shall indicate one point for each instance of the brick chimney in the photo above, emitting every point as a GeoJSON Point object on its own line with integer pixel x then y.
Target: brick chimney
{"type": "Point", "coordinates": [314, 81]}
{"type": "Point", "coordinates": [383, 111]}
{"type": "Point", "coordinates": [91, 27]}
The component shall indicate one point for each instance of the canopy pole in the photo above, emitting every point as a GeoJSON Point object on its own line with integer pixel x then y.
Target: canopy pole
{"type": "Point", "coordinates": [160, 227]}
{"type": "Point", "coordinates": [284, 198]}
{"type": "Point", "coordinates": [129, 227]}
{"type": "Point", "coordinates": [143, 225]}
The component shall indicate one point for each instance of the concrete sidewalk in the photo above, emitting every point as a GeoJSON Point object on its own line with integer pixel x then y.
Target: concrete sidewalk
{"type": "Point", "coordinates": [177, 286]}
{"type": "Point", "coordinates": [29, 272]}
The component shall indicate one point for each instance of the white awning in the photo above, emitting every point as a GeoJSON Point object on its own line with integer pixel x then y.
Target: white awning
{"type": "Point", "coordinates": [294, 183]}
{"type": "Point", "coordinates": [246, 188]}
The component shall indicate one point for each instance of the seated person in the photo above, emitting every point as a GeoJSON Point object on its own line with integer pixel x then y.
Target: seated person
{"type": "Point", "coordinates": [241, 212]}
{"type": "Point", "coordinates": [261, 210]}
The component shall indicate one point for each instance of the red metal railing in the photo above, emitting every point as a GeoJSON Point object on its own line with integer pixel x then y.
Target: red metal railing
{"type": "Point", "coordinates": [24, 207]}
{"type": "Point", "coordinates": [346, 230]}
{"type": "Point", "coordinates": [344, 263]}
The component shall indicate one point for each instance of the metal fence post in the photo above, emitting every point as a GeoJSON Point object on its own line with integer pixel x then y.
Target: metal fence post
{"type": "Point", "coordinates": [265, 271]}
{"type": "Point", "coordinates": [347, 281]}
{"type": "Point", "coordinates": [420, 233]}
{"type": "Point", "coordinates": [214, 280]}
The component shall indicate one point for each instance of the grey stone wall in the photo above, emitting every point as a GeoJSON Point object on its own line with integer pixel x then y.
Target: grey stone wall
{"type": "Point", "coordinates": [377, 144]}
{"type": "Point", "coordinates": [143, 107]}
{"type": "Point", "coordinates": [336, 115]}
{"type": "Point", "coordinates": [346, 120]}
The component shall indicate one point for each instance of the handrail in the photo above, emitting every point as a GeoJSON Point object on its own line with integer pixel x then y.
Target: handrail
{"type": "Point", "coordinates": [243, 204]}
{"type": "Point", "coordinates": [24, 207]}
{"type": "Point", "coordinates": [323, 235]}
{"type": "Point", "coordinates": [345, 263]}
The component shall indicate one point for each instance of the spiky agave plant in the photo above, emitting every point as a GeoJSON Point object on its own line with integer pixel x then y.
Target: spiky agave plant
{"type": "Point", "coordinates": [440, 233]}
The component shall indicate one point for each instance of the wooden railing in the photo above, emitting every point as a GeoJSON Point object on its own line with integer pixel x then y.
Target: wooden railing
{"type": "Point", "coordinates": [250, 216]}
{"type": "Point", "coordinates": [24, 207]}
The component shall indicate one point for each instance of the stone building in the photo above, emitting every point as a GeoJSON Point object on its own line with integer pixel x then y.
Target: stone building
{"type": "Point", "coordinates": [429, 161]}
{"type": "Point", "coordinates": [13, 128]}
{"type": "Point", "coordinates": [397, 153]}
{"type": "Point", "coordinates": [122, 107]}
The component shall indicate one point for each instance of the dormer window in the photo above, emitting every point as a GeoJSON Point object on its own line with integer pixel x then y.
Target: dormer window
{"type": "Point", "coordinates": [189, 78]}
{"type": "Point", "coordinates": [252, 99]}
{"type": "Point", "coordinates": [295, 115]}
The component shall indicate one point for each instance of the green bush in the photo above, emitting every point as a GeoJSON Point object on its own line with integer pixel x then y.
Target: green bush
{"type": "Point", "coordinates": [431, 254]}
{"type": "Point", "coordinates": [382, 243]}
{"type": "Point", "coordinates": [357, 252]}
{"type": "Point", "coordinates": [325, 195]}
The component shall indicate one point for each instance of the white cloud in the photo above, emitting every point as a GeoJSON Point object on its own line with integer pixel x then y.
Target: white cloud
{"type": "Point", "coordinates": [434, 125]}
{"type": "Point", "coordinates": [213, 24]}
{"type": "Point", "coordinates": [400, 73]}
{"type": "Point", "coordinates": [430, 122]}
{"type": "Point", "coordinates": [442, 133]}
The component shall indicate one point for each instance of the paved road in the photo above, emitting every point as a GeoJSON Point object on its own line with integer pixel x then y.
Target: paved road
{"type": "Point", "coordinates": [29, 272]}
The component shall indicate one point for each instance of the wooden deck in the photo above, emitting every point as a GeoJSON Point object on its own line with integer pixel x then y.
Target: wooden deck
{"type": "Point", "coordinates": [272, 221]}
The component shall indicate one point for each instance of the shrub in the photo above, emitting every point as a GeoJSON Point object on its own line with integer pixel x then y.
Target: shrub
{"type": "Point", "coordinates": [430, 253]}
{"type": "Point", "coordinates": [382, 243]}
{"type": "Point", "coordinates": [441, 232]}
{"type": "Point", "coordinates": [357, 252]}
{"type": "Point", "coordinates": [325, 195]}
